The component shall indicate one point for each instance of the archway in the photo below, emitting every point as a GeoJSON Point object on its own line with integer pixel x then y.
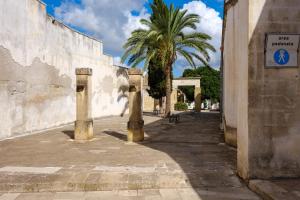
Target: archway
{"type": "Point", "coordinates": [187, 81]}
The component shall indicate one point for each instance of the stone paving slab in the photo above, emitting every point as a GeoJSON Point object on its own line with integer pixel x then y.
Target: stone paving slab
{"type": "Point", "coordinates": [287, 189]}
{"type": "Point", "coordinates": [184, 156]}
{"type": "Point", "coordinates": [152, 194]}
{"type": "Point", "coordinates": [31, 170]}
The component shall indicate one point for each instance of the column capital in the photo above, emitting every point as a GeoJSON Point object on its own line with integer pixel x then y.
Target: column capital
{"type": "Point", "coordinates": [134, 71]}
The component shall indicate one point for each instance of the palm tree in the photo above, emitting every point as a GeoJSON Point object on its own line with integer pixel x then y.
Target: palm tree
{"type": "Point", "coordinates": [168, 33]}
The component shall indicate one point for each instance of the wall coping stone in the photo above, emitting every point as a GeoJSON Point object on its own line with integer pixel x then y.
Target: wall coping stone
{"type": "Point", "coordinates": [134, 71]}
{"type": "Point", "coordinates": [84, 71]}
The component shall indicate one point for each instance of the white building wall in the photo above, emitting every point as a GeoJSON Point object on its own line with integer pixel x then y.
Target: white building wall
{"type": "Point", "coordinates": [38, 57]}
{"type": "Point", "coordinates": [230, 81]}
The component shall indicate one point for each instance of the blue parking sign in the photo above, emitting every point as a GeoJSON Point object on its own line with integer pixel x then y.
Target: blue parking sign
{"type": "Point", "coordinates": [281, 56]}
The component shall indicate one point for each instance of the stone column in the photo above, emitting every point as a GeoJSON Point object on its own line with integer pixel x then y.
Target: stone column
{"type": "Point", "coordinates": [84, 121]}
{"type": "Point", "coordinates": [136, 123]}
{"type": "Point", "coordinates": [197, 94]}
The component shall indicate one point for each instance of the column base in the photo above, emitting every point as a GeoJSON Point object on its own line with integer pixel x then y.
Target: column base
{"type": "Point", "coordinates": [136, 135]}
{"type": "Point", "coordinates": [83, 130]}
{"type": "Point", "coordinates": [135, 131]}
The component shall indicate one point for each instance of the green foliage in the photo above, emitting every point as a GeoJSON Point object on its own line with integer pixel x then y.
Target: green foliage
{"type": "Point", "coordinates": [210, 81]}
{"type": "Point", "coordinates": [156, 79]}
{"type": "Point", "coordinates": [181, 106]}
{"type": "Point", "coordinates": [188, 91]}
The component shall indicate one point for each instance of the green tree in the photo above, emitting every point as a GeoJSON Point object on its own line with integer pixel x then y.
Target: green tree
{"type": "Point", "coordinates": [165, 37]}
{"type": "Point", "coordinates": [210, 81]}
{"type": "Point", "coordinates": [156, 79]}
{"type": "Point", "coordinates": [188, 91]}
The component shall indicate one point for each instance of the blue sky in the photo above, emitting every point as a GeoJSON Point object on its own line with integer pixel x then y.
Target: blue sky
{"type": "Point", "coordinates": [112, 21]}
{"type": "Point", "coordinates": [216, 4]}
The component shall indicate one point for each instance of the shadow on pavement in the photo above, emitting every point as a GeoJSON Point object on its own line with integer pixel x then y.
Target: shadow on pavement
{"type": "Point", "coordinates": [189, 156]}
{"type": "Point", "coordinates": [197, 146]}
{"type": "Point", "coordinates": [69, 133]}
{"type": "Point", "coordinates": [116, 135]}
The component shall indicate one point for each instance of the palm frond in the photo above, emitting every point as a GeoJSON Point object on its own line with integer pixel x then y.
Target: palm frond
{"type": "Point", "coordinates": [187, 56]}
{"type": "Point", "coordinates": [164, 36]}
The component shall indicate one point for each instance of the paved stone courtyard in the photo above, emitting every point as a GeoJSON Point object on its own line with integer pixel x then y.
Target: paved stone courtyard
{"type": "Point", "coordinates": [187, 160]}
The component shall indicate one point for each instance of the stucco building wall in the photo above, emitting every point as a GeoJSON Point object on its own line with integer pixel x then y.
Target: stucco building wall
{"type": "Point", "coordinates": [230, 77]}
{"type": "Point", "coordinates": [38, 57]}
{"type": "Point", "coordinates": [268, 100]}
{"type": "Point", "coordinates": [274, 95]}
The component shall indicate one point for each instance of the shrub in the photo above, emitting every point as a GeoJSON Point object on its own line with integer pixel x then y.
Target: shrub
{"type": "Point", "coordinates": [181, 106]}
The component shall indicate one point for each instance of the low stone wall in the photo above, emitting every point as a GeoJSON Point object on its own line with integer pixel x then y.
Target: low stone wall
{"type": "Point", "coordinates": [38, 57]}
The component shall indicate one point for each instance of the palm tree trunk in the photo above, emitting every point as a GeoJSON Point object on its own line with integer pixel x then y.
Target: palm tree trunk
{"type": "Point", "coordinates": [161, 105]}
{"type": "Point", "coordinates": [168, 90]}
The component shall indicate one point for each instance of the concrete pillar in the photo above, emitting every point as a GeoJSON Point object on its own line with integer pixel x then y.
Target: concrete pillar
{"type": "Point", "coordinates": [197, 94]}
{"type": "Point", "coordinates": [84, 121]}
{"type": "Point", "coordinates": [136, 123]}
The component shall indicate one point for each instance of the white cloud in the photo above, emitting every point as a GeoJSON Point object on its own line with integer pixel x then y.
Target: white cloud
{"type": "Point", "coordinates": [211, 24]}
{"type": "Point", "coordinates": [112, 21]}
{"type": "Point", "coordinates": [108, 20]}
{"type": "Point", "coordinates": [134, 22]}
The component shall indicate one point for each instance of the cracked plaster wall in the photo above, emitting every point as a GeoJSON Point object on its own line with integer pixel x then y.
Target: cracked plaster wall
{"type": "Point", "coordinates": [38, 57]}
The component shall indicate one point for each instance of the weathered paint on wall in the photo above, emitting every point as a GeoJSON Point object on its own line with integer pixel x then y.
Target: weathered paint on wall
{"type": "Point", "coordinates": [38, 57]}
{"type": "Point", "coordinates": [274, 95]}
{"type": "Point", "coordinates": [268, 111]}
{"type": "Point", "coordinates": [242, 88]}
{"type": "Point", "coordinates": [230, 77]}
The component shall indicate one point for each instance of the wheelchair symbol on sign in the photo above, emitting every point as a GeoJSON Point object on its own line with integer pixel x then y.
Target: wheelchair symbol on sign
{"type": "Point", "coordinates": [282, 57]}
